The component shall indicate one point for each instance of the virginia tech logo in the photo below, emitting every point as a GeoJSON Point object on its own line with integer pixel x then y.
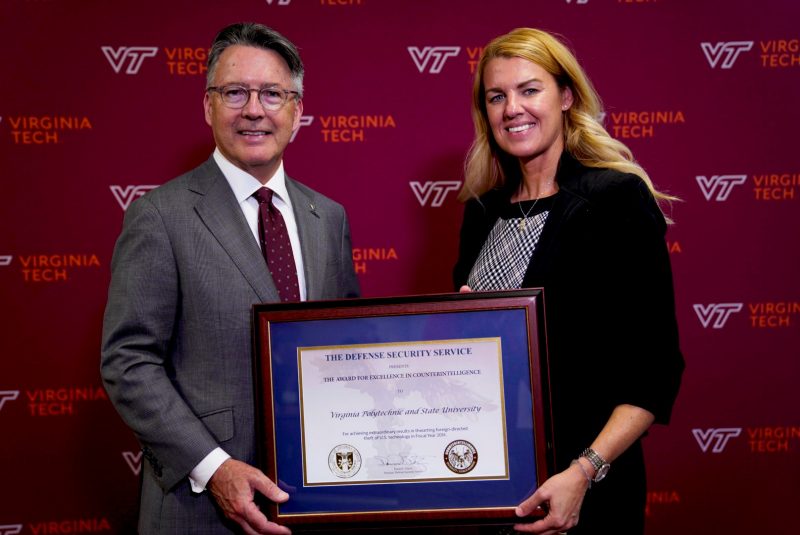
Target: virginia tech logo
{"type": "Point", "coordinates": [7, 395]}
{"type": "Point", "coordinates": [10, 529]}
{"type": "Point", "coordinates": [779, 53]}
{"type": "Point", "coordinates": [279, 2]}
{"type": "Point", "coordinates": [46, 268]}
{"type": "Point", "coordinates": [716, 314]}
{"type": "Point", "coordinates": [718, 187]}
{"type": "Point", "coordinates": [715, 438]}
{"type": "Point", "coordinates": [432, 58]}
{"type": "Point", "coordinates": [724, 53]}
{"type": "Point", "coordinates": [134, 461]}
{"type": "Point", "coordinates": [776, 186]}
{"type": "Point", "coordinates": [125, 195]}
{"type": "Point", "coordinates": [132, 55]}
{"type": "Point", "coordinates": [365, 256]}
{"type": "Point", "coordinates": [643, 123]}
{"type": "Point", "coordinates": [353, 128]}
{"type": "Point", "coordinates": [305, 120]}
{"type": "Point", "coordinates": [433, 191]}
{"type": "Point", "coordinates": [773, 439]}
{"type": "Point", "coordinates": [45, 129]}
{"type": "Point", "coordinates": [5, 260]}
{"type": "Point", "coordinates": [658, 498]}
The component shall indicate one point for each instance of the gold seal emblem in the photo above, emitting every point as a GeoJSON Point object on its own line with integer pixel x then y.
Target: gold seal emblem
{"type": "Point", "coordinates": [344, 461]}
{"type": "Point", "coordinates": [460, 456]}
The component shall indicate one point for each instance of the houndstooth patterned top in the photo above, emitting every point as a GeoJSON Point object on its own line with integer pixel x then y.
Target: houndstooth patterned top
{"type": "Point", "coordinates": [506, 254]}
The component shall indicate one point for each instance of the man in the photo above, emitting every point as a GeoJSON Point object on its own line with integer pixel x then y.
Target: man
{"type": "Point", "coordinates": [176, 353]}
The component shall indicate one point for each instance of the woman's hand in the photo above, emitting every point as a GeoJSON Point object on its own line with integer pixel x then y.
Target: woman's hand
{"type": "Point", "coordinates": [561, 496]}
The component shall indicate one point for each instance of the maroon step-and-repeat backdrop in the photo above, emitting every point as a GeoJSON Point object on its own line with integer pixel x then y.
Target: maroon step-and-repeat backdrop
{"type": "Point", "coordinates": [101, 101]}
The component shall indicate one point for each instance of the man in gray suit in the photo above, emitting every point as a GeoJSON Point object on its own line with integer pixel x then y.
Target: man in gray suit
{"type": "Point", "coordinates": [176, 350]}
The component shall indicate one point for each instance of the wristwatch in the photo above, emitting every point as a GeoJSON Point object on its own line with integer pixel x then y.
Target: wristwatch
{"type": "Point", "coordinates": [601, 467]}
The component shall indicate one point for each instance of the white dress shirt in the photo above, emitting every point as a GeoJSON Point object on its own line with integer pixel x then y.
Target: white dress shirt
{"type": "Point", "coordinates": [244, 185]}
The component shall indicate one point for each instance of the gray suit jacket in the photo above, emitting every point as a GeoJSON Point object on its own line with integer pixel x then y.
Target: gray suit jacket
{"type": "Point", "coordinates": [176, 349]}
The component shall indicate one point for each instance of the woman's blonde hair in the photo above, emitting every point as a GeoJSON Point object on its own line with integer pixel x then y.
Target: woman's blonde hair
{"type": "Point", "coordinates": [488, 166]}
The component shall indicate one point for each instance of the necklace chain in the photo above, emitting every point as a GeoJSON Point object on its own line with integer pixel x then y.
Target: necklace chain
{"type": "Point", "coordinates": [525, 214]}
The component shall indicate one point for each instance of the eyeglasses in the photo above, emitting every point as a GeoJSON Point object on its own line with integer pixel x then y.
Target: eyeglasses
{"type": "Point", "coordinates": [236, 96]}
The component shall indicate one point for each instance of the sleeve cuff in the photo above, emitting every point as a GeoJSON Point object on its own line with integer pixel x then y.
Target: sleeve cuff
{"type": "Point", "coordinates": [199, 476]}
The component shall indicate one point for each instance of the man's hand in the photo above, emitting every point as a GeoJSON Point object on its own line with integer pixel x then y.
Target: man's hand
{"type": "Point", "coordinates": [234, 484]}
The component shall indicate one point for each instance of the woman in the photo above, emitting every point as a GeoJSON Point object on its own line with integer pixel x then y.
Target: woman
{"type": "Point", "coordinates": [554, 202]}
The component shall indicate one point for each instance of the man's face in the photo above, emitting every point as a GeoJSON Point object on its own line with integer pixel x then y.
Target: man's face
{"type": "Point", "coordinates": [251, 137]}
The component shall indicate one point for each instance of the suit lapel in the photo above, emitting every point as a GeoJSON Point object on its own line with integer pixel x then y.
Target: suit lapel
{"type": "Point", "coordinates": [313, 245]}
{"type": "Point", "coordinates": [223, 217]}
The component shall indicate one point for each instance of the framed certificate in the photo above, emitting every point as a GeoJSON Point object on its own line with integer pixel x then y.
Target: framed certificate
{"type": "Point", "coordinates": [425, 409]}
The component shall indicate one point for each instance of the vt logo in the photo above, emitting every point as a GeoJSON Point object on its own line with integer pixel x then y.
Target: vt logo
{"type": "Point", "coordinates": [727, 51]}
{"type": "Point", "coordinates": [125, 196]}
{"type": "Point", "coordinates": [10, 529]}
{"type": "Point", "coordinates": [433, 55]}
{"type": "Point", "coordinates": [134, 461]}
{"type": "Point", "coordinates": [133, 55]}
{"type": "Point", "coordinates": [8, 395]}
{"type": "Point", "coordinates": [718, 312]}
{"type": "Point", "coordinates": [279, 2]}
{"type": "Point", "coordinates": [718, 437]}
{"type": "Point", "coordinates": [434, 191]}
{"type": "Point", "coordinates": [719, 187]}
{"type": "Point", "coordinates": [305, 120]}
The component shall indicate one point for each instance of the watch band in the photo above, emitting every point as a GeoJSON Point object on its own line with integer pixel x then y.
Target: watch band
{"type": "Point", "coordinates": [600, 465]}
{"type": "Point", "coordinates": [594, 458]}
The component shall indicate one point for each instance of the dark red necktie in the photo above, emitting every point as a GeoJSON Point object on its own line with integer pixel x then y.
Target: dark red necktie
{"type": "Point", "coordinates": [276, 247]}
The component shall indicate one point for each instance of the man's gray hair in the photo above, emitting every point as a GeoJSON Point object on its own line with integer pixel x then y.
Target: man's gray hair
{"type": "Point", "coordinates": [258, 36]}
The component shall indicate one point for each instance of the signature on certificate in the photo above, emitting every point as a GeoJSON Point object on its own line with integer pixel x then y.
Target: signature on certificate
{"type": "Point", "coordinates": [398, 460]}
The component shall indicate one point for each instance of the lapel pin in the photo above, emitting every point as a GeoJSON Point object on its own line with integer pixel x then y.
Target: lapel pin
{"type": "Point", "coordinates": [313, 210]}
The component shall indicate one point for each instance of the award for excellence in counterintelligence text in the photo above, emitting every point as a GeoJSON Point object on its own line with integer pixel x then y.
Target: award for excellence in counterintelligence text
{"type": "Point", "coordinates": [410, 411]}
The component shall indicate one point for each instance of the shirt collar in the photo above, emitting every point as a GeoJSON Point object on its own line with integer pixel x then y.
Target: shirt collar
{"type": "Point", "coordinates": [244, 184]}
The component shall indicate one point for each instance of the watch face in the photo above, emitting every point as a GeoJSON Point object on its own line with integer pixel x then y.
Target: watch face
{"type": "Point", "coordinates": [601, 472]}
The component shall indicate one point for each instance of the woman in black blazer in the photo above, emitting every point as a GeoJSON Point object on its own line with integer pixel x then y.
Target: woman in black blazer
{"type": "Point", "coordinates": [553, 201]}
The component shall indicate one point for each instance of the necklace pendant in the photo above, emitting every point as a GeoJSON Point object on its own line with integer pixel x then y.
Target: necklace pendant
{"type": "Point", "coordinates": [522, 224]}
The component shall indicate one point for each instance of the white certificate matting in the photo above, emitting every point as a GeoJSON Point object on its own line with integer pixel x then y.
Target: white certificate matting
{"type": "Point", "coordinates": [407, 411]}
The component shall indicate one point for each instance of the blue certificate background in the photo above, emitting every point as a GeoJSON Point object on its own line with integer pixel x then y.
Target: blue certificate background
{"type": "Point", "coordinates": [509, 325]}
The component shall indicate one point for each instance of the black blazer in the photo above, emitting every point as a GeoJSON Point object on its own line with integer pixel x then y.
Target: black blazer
{"type": "Point", "coordinates": [609, 307]}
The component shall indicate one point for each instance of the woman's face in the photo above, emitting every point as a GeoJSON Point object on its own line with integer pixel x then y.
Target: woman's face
{"type": "Point", "coordinates": [524, 106]}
